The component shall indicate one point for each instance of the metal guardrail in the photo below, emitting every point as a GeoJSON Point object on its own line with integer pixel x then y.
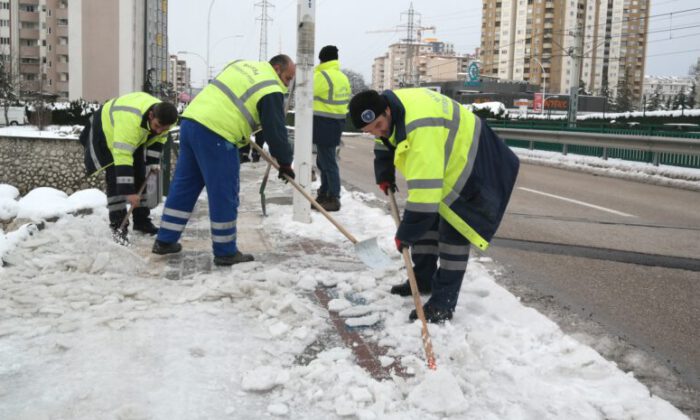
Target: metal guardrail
{"type": "Point", "coordinates": [654, 149]}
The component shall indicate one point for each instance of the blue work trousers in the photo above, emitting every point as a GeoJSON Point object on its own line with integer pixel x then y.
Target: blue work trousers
{"type": "Point", "coordinates": [206, 160]}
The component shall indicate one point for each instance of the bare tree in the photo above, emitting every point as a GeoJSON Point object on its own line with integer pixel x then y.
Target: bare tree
{"type": "Point", "coordinates": [357, 82]}
{"type": "Point", "coordinates": [9, 86]}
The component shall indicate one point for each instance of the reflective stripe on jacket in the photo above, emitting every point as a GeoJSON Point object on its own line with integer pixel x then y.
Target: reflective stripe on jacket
{"type": "Point", "coordinates": [331, 91]}
{"type": "Point", "coordinates": [228, 105]}
{"type": "Point", "coordinates": [453, 164]}
{"type": "Point", "coordinates": [121, 120]}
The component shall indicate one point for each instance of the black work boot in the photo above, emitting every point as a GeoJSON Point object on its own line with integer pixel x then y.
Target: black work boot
{"type": "Point", "coordinates": [238, 257]}
{"type": "Point", "coordinates": [404, 289]}
{"type": "Point", "coordinates": [320, 199]}
{"type": "Point", "coordinates": [331, 204]}
{"type": "Point", "coordinates": [146, 227]}
{"type": "Point", "coordinates": [162, 248]}
{"type": "Point", "coordinates": [121, 236]}
{"type": "Point", "coordinates": [433, 314]}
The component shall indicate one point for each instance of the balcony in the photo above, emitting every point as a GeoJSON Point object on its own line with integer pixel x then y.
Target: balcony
{"type": "Point", "coordinates": [29, 34]}
{"type": "Point", "coordinates": [29, 52]}
{"type": "Point", "coordinates": [29, 17]}
{"type": "Point", "coordinates": [62, 31]}
{"type": "Point", "coordinates": [61, 49]}
{"type": "Point", "coordinates": [61, 67]}
{"type": "Point", "coordinates": [61, 13]}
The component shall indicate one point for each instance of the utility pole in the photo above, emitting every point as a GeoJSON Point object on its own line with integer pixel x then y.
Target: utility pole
{"type": "Point", "coordinates": [576, 54]}
{"type": "Point", "coordinates": [408, 77]}
{"type": "Point", "coordinates": [303, 105]}
{"type": "Point", "coordinates": [264, 18]}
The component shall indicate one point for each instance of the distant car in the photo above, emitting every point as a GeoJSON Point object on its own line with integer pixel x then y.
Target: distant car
{"type": "Point", "coordinates": [15, 116]}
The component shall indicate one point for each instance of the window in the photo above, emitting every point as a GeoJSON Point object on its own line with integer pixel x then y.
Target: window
{"type": "Point", "coordinates": [62, 22]}
{"type": "Point", "coordinates": [27, 8]}
{"type": "Point", "coordinates": [4, 41]}
{"type": "Point", "coordinates": [4, 22]}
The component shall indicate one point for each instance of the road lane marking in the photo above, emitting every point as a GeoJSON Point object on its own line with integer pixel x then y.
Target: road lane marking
{"type": "Point", "coordinates": [581, 203]}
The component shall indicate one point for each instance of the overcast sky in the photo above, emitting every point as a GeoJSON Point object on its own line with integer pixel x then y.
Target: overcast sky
{"type": "Point", "coordinates": [235, 33]}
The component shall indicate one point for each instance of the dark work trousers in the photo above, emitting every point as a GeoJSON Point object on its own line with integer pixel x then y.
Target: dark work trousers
{"type": "Point", "coordinates": [116, 204]}
{"type": "Point", "coordinates": [444, 244]}
{"type": "Point", "coordinates": [330, 175]}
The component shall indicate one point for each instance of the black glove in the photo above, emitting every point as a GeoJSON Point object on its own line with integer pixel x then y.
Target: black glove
{"type": "Point", "coordinates": [286, 170]}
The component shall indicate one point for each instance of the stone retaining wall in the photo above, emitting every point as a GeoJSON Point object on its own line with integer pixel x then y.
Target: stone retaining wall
{"type": "Point", "coordinates": [29, 163]}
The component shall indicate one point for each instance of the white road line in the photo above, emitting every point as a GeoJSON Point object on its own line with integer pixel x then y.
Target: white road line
{"type": "Point", "coordinates": [570, 200]}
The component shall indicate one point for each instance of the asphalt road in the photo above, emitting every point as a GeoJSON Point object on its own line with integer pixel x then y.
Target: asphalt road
{"type": "Point", "coordinates": [621, 255]}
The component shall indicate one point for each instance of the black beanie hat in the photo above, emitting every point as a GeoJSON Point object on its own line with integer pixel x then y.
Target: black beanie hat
{"type": "Point", "coordinates": [328, 53]}
{"type": "Point", "coordinates": [366, 106]}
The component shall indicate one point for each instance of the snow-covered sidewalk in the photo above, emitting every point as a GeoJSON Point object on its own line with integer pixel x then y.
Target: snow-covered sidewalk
{"type": "Point", "coordinates": [93, 330]}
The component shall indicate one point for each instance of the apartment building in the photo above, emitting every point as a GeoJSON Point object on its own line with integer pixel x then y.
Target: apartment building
{"type": "Point", "coordinates": [90, 49]}
{"type": "Point", "coordinates": [537, 40]}
{"type": "Point", "coordinates": [667, 87]}
{"type": "Point", "coordinates": [431, 61]}
{"type": "Point", "coordinates": [179, 74]}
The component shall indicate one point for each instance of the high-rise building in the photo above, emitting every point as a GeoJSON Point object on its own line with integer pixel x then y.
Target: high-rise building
{"type": "Point", "coordinates": [90, 49]}
{"type": "Point", "coordinates": [536, 41]}
{"type": "Point", "coordinates": [179, 75]}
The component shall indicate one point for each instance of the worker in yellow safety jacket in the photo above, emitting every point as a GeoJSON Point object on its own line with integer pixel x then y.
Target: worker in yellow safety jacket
{"type": "Point", "coordinates": [331, 97]}
{"type": "Point", "coordinates": [125, 138]}
{"type": "Point", "coordinates": [459, 174]}
{"type": "Point", "coordinates": [219, 121]}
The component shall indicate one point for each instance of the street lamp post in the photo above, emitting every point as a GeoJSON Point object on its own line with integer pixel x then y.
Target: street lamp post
{"type": "Point", "coordinates": [208, 31]}
{"type": "Point", "coordinates": [544, 82]}
{"type": "Point", "coordinates": [201, 58]}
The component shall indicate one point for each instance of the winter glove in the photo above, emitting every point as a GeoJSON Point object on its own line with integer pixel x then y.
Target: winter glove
{"type": "Point", "coordinates": [385, 186]}
{"type": "Point", "coordinates": [153, 168]}
{"type": "Point", "coordinates": [400, 246]}
{"type": "Point", "coordinates": [286, 170]}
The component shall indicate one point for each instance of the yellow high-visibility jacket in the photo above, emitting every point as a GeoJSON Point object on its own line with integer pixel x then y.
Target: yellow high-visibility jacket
{"type": "Point", "coordinates": [453, 163]}
{"type": "Point", "coordinates": [122, 119]}
{"type": "Point", "coordinates": [228, 104]}
{"type": "Point", "coordinates": [331, 91]}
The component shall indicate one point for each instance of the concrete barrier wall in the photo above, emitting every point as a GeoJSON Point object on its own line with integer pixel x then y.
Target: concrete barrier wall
{"type": "Point", "coordinates": [29, 163]}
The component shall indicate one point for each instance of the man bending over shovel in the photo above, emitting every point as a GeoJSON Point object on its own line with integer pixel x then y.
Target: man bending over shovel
{"type": "Point", "coordinates": [219, 121]}
{"type": "Point", "coordinates": [460, 176]}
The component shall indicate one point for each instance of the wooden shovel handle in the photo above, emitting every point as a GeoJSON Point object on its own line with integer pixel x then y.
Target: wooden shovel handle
{"type": "Point", "coordinates": [139, 192]}
{"type": "Point", "coordinates": [425, 335]}
{"type": "Point", "coordinates": [306, 195]}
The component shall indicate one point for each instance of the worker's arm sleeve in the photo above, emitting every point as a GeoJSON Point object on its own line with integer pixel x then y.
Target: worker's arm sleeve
{"type": "Point", "coordinates": [271, 110]}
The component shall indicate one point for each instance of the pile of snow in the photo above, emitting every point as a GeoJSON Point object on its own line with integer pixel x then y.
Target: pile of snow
{"type": "Point", "coordinates": [610, 115]}
{"type": "Point", "coordinates": [49, 132]}
{"type": "Point", "coordinates": [495, 109]}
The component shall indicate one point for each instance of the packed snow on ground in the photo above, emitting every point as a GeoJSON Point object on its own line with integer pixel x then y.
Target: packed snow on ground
{"type": "Point", "coordinates": [90, 329]}
{"type": "Point", "coordinates": [49, 132]}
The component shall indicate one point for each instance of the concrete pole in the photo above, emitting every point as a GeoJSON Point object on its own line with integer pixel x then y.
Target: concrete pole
{"type": "Point", "coordinates": [577, 56]}
{"type": "Point", "coordinates": [303, 101]}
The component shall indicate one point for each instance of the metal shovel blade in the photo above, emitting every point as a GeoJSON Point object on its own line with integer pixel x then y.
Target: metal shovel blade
{"type": "Point", "coordinates": [371, 255]}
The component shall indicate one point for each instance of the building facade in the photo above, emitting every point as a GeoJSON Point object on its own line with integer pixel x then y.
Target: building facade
{"type": "Point", "coordinates": [667, 87]}
{"type": "Point", "coordinates": [179, 75]}
{"type": "Point", "coordinates": [430, 61]}
{"type": "Point", "coordinates": [90, 49]}
{"type": "Point", "coordinates": [541, 41]}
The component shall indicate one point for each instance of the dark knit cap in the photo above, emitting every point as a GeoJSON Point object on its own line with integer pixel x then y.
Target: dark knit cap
{"type": "Point", "coordinates": [328, 53]}
{"type": "Point", "coordinates": [366, 106]}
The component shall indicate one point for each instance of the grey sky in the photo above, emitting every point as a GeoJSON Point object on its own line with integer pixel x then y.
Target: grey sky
{"type": "Point", "coordinates": [345, 23]}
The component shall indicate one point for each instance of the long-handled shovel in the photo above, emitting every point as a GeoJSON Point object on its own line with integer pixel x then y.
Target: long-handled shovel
{"type": "Point", "coordinates": [368, 250]}
{"type": "Point", "coordinates": [427, 343]}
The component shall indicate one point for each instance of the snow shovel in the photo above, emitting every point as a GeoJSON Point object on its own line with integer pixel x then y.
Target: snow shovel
{"type": "Point", "coordinates": [427, 343]}
{"type": "Point", "coordinates": [368, 251]}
